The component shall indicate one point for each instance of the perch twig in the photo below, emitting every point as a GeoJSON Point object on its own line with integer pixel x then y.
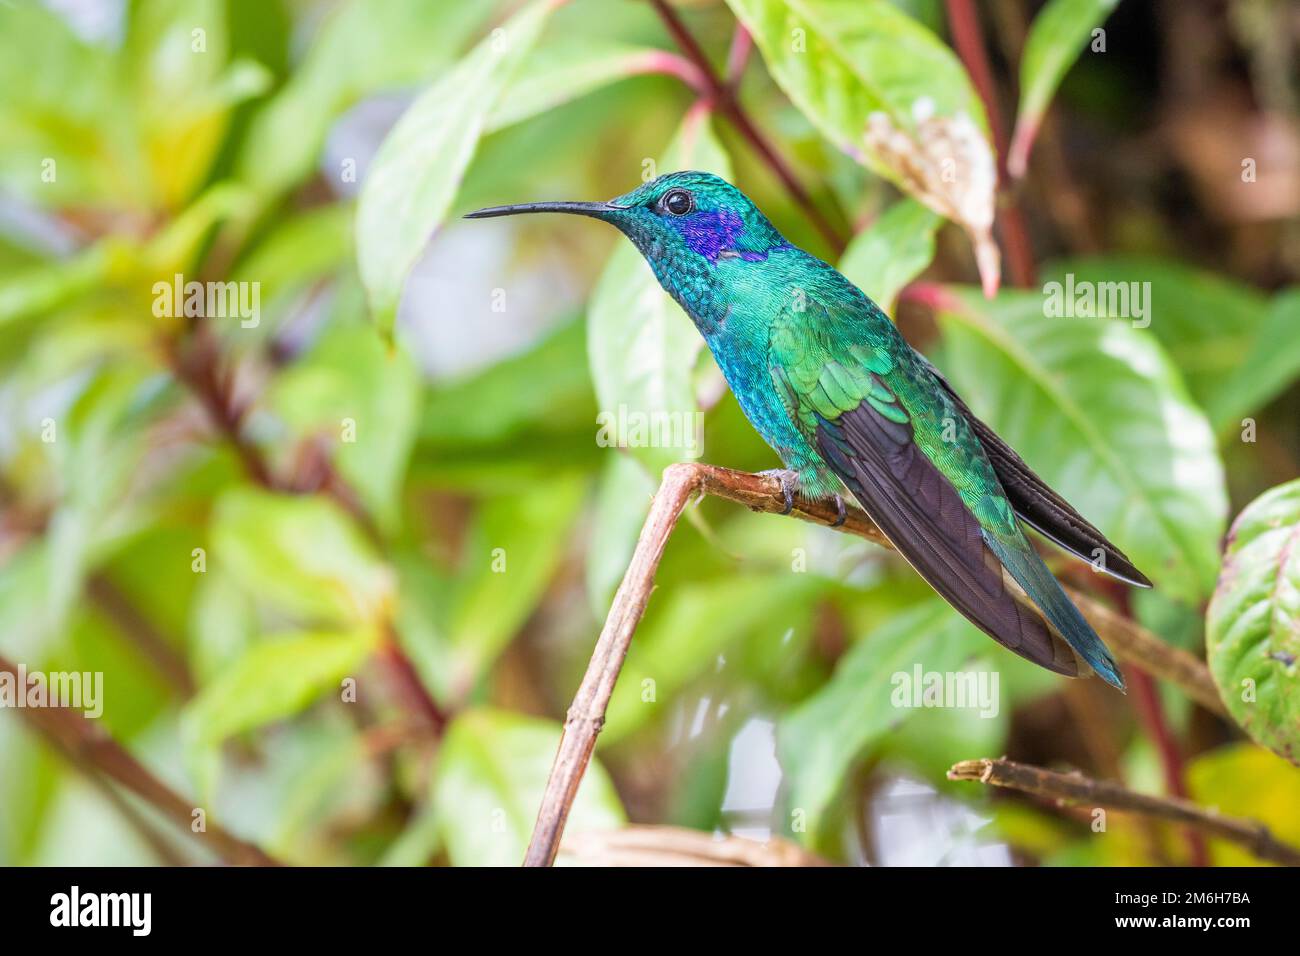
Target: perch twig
{"type": "Point", "coordinates": [680, 483]}
{"type": "Point", "coordinates": [1077, 790]}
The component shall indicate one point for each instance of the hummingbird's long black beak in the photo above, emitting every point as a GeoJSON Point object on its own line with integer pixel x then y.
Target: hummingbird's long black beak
{"type": "Point", "coordinates": [595, 209]}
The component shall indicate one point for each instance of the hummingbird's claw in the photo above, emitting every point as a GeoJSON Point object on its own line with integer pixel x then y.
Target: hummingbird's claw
{"type": "Point", "coordinates": [841, 511]}
{"type": "Point", "coordinates": [789, 482]}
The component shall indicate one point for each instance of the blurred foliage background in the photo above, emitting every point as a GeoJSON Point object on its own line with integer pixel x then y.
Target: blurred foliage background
{"type": "Point", "coordinates": [342, 568]}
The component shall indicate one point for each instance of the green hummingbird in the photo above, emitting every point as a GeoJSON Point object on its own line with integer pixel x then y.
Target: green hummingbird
{"type": "Point", "coordinates": [827, 380]}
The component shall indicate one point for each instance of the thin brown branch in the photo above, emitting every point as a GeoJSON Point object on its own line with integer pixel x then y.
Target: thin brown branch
{"type": "Point", "coordinates": [1074, 789]}
{"type": "Point", "coordinates": [723, 98]}
{"type": "Point", "coordinates": [680, 483]}
{"type": "Point", "coordinates": [141, 632]}
{"type": "Point", "coordinates": [88, 746]}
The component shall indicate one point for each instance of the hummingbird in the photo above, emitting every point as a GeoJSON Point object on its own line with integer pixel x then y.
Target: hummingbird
{"type": "Point", "coordinates": [848, 405]}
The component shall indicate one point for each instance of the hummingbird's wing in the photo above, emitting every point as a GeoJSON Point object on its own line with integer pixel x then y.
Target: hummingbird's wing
{"type": "Point", "coordinates": [875, 414]}
{"type": "Point", "coordinates": [1040, 507]}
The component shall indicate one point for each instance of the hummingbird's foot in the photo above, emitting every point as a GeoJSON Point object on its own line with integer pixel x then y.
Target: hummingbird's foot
{"type": "Point", "coordinates": [841, 511]}
{"type": "Point", "coordinates": [789, 485]}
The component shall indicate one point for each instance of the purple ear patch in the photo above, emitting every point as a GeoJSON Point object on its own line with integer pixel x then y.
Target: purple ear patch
{"type": "Point", "coordinates": [710, 231]}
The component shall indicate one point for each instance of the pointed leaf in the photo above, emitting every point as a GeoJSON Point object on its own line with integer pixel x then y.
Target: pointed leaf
{"type": "Point", "coordinates": [273, 680]}
{"type": "Point", "coordinates": [892, 251]}
{"type": "Point", "coordinates": [302, 554]}
{"type": "Point", "coordinates": [420, 164]}
{"type": "Point", "coordinates": [1057, 35]}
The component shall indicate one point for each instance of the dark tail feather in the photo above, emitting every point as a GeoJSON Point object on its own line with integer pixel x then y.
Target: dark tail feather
{"type": "Point", "coordinates": [1029, 571]}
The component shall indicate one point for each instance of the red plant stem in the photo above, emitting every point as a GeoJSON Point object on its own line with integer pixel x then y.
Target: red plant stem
{"type": "Point", "coordinates": [963, 20]}
{"type": "Point", "coordinates": [671, 64]}
{"type": "Point", "coordinates": [726, 103]}
{"type": "Point", "coordinates": [1146, 701]}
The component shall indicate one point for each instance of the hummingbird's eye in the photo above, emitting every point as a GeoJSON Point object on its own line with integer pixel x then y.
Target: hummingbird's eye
{"type": "Point", "coordinates": [678, 202]}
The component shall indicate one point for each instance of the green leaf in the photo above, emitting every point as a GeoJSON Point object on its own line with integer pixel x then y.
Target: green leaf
{"type": "Point", "coordinates": [361, 49]}
{"type": "Point", "coordinates": [514, 546]}
{"type": "Point", "coordinates": [1058, 33]}
{"type": "Point", "coordinates": [622, 502]}
{"type": "Point", "coordinates": [888, 92]}
{"type": "Point", "coordinates": [176, 56]}
{"type": "Point", "coordinates": [891, 252]}
{"type": "Point", "coordinates": [1098, 411]}
{"type": "Point", "coordinates": [1206, 323]}
{"type": "Point", "coordinates": [420, 163]}
{"type": "Point", "coordinates": [65, 119]}
{"type": "Point", "coordinates": [43, 288]}
{"type": "Point", "coordinates": [819, 742]}
{"type": "Point", "coordinates": [642, 347]}
{"type": "Point", "coordinates": [365, 399]}
{"type": "Point", "coordinates": [307, 247]}
{"type": "Point", "coordinates": [491, 773]}
{"type": "Point", "coordinates": [563, 69]}
{"type": "Point", "coordinates": [277, 678]}
{"type": "Point", "coordinates": [1271, 365]}
{"type": "Point", "coordinates": [303, 554]}
{"type": "Point", "coordinates": [1253, 622]}
{"type": "Point", "coordinates": [223, 625]}
{"type": "Point", "coordinates": [687, 633]}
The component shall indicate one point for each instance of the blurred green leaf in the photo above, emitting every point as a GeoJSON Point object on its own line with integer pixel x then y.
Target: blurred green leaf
{"type": "Point", "coordinates": [364, 399]}
{"type": "Point", "coordinates": [1253, 622]}
{"type": "Point", "coordinates": [641, 346]}
{"type": "Point", "coordinates": [176, 57]}
{"type": "Point", "coordinates": [888, 92]}
{"type": "Point", "coordinates": [418, 167]}
{"type": "Point", "coordinates": [819, 742]}
{"type": "Point", "coordinates": [223, 625]}
{"type": "Point", "coordinates": [361, 49]}
{"type": "Point", "coordinates": [491, 773]}
{"type": "Point", "coordinates": [274, 679]}
{"type": "Point", "coordinates": [514, 546]}
{"type": "Point", "coordinates": [487, 435]}
{"type": "Point", "coordinates": [688, 632]}
{"type": "Point", "coordinates": [308, 247]}
{"type": "Point", "coordinates": [65, 119]}
{"type": "Point", "coordinates": [302, 554]}
{"type": "Point", "coordinates": [1058, 33]}
{"type": "Point", "coordinates": [489, 408]}
{"type": "Point", "coordinates": [1206, 323]}
{"type": "Point", "coordinates": [51, 285]}
{"type": "Point", "coordinates": [1271, 364]}
{"type": "Point", "coordinates": [891, 252]}
{"type": "Point", "coordinates": [1096, 408]}
{"type": "Point", "coordinates": [563, 69]}
{"type": "Point", "coordinates": [623, 498]}
{"type": "Point", "coordinates": [932, 739]}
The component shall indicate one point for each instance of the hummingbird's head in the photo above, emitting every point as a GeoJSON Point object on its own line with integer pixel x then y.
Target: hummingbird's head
{"type": "Point", "coordinates": [685, 220]}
